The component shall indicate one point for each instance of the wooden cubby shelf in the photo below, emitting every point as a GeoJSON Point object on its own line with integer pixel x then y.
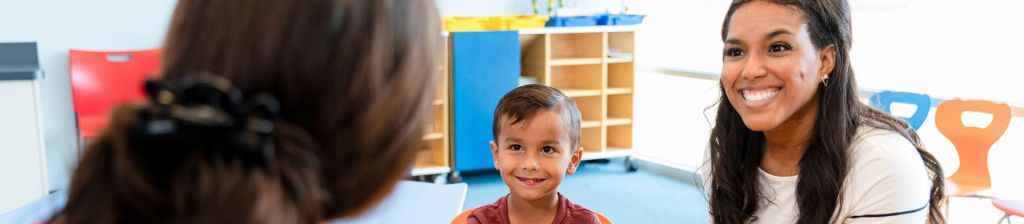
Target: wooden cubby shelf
{"type": "Point", "coordinates": [576, 45]}
{"type": "Point", "coordinates": [620, 47]}
{"type": "Point", "coordinates": [592, 139]}
{"type": "Point", "coordinates": [620, 106]}
{"type": "Point", "coordinates": [581, 92]}
{"type": "Point", "coordinates": [616, 91]}
{"type": "Point", "coordinates": [614, 121]}
{"type": "Point", "coordinates": [575, 61]}
{"type": "Point", "coordinates": [620, 137]}
{"type": "Point", "coordinates": [619, 60]}
{"type": "Point", "coordinates": [595, 67]}
{"type": "Point", "coordinates": [620, 76]}
{"type": "Point", "coordinates": [435, 156]}
{"type": "Point", "coordinates": [590, 108]}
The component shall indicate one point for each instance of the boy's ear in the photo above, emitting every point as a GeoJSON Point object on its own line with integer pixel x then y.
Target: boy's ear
{"type": "Point", "coordinates": [494, 154]}
{"type": "Point", "coordinates": [574, 162]}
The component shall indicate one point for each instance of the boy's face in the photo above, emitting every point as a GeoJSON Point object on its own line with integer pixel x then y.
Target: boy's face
{"type": "Point", "coordinates": [534, 155]}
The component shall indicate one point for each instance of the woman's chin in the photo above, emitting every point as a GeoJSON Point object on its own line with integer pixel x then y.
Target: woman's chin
{"type": "Point", "coordinates": [757, 124]}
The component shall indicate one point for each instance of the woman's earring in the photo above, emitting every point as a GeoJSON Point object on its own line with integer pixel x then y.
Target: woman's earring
{"type": "Point", "coordinates": [824, 80]}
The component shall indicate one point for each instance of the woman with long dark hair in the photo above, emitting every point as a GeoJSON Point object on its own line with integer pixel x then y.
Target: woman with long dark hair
{"type": "Point", "coordinates": [792, 141]}
{"type": "Point", "coordinates": [268, 111]}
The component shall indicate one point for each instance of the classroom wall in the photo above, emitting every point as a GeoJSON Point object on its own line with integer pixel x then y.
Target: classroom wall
{"type": "Point", "coordinates": [940, 47]}
{"type": "Point", "coordinates": [57, 26]}
{"type": "Point", "coordinates": [673, 118]}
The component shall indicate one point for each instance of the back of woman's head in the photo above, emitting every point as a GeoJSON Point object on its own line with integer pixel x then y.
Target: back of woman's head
{"type": "Point", "coordinates": [350, 78]}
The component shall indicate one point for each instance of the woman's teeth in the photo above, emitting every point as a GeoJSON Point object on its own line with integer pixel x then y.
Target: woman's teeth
{"type": "Point", "coordinates": [760, 95]}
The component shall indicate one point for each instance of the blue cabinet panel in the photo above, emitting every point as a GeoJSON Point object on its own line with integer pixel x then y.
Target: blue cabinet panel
{"type": "Point", "coordinates": [485, 65]}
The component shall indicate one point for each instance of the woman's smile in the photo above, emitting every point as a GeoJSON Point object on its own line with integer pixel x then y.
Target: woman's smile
{"type": "Point", "coordinates": [759, 96]}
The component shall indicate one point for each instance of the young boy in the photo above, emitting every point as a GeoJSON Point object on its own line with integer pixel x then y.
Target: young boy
{"type": "Point", "coordinates": [536, 142]}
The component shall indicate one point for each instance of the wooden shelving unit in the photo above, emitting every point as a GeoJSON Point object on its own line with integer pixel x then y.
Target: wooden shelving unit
{"type": "Point", "coordinates": [576, 61]}
{"type": "Point", "coordinates": [594, 66]}
{"type": "Point", "coordinates": [435, 155]}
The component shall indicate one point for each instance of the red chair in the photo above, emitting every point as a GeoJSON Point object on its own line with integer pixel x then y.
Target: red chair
{"type": "Point", "coordinates": [102, 80]}
{"type": "Point", "coordinates": [1010, 207]}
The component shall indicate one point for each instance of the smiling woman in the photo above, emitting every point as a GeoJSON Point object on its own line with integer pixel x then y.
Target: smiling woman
{"type": "Point", "coordinates": [792, 143]}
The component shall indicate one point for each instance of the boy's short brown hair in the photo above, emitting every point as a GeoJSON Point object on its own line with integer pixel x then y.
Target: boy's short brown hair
{"type": "Point", "coordinates": [524, 102]}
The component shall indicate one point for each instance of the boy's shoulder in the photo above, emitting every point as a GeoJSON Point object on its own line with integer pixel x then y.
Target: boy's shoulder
{"type": "Point", "coordinates": [574, 213]}
{"type": "Point", "coordinates": [568, 212]}
{"type": "Point", "coordinates": [496, 212]}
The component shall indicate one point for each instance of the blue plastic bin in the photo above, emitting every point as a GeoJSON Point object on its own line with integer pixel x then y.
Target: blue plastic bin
{"type": "Point", "coordinates": [572, 21]}
{"type": "Point", "coordinates": [619, 19]}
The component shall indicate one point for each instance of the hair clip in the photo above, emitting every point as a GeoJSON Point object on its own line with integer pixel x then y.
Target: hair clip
{"type": "Point", "coordinates": [206, 110]}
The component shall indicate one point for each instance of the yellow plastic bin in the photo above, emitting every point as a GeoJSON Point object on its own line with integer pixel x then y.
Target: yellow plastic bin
{"type": "Point", "coordinates": [481, 23]}
{"type": "Point", "coordinates": [529, 21]}
{"type": "Point", "coordinates": [497, 22]}
{"type": "Point", "coordinates": [455, 24]}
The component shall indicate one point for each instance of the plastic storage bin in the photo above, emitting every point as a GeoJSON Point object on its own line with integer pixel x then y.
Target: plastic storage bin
{"type": "Point", "coordinates": [455, 24]}
{"type": "Point", "coordinates": [619, 19]}
{"type": "Point", "coordinates": [486, 23]}
{"type": "Point", "coordinates": [558, 21]}
{"type": "Point", "coordinates": [521, 22]}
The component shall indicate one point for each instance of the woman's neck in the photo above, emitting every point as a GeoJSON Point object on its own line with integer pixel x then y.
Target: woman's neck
{"type": "Point", "coordinates": [542, 210]}
{"type": "Point", "coordinates": [787, 143]}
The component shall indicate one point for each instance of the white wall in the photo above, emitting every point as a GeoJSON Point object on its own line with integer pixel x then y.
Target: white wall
{"type": "Point", "coordinates": [59, 25]}
{"type": "Point", "coordinates": [483, 7]}
{"type": "Point", "coordinates": [672, 118]}
{"type": "Point", "coordinates": [682, 35]}
{"type": "Point", "coordinates": [941, 47]}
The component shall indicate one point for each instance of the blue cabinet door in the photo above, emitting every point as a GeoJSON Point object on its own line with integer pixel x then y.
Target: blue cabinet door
{"type": "Point", "coordinates": [485, 65]}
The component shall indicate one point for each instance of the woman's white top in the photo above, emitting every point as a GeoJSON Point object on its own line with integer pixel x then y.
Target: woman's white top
{"type": "Point", "coordinates": [887, 183]}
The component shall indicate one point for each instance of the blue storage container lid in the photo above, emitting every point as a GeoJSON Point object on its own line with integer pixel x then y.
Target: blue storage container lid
{"type": "Point", "coordinates": [620, 19]}
{"type": "Point", "coordinates": [558, 21]}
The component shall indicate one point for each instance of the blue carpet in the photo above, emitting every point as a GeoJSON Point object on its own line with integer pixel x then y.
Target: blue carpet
{"type": "Point", "coordinates": [624, 197]}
